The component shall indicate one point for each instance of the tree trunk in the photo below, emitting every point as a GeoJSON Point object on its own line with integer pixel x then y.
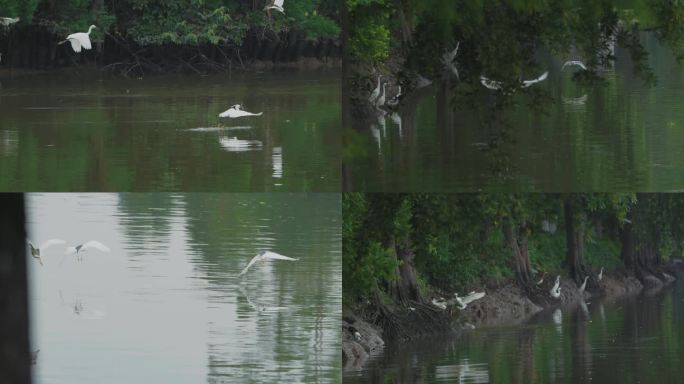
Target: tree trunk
{"type": "Point", "coordinates": [627, 242]}
{"type": "Point", "coordinates": [520, 259]}
{"type": "Point", "coordinates": [573, 237]}
{"type": "Point", "coordinates": [14, 322]}
{"type": "Point", "coordinates": [405, 288]}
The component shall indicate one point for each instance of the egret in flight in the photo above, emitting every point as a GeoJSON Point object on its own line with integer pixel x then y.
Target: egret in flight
{"type": "Point", "coordinates": [472, 296]}
{"type": "Point", "coordinates": [80, 40]}
{"type": "Point", "coordinates": [497, 85]}
{"type": "Point", "coordinates": [7, 21]}
{"type": "Point", "coordinates": [35, 251]}
{"type": "Point", "coordinates": [265, 256]}
{"type": "Point", "coordinates": [555, 290]}
{"type": "Point", "coordinates": [85, 246]}
{"type": "Point", "coordinates": [277, 5]}
{"type": "Point", "coordinates": [236, 111]}
{"type": "Point", "coordinates": [575, 63]}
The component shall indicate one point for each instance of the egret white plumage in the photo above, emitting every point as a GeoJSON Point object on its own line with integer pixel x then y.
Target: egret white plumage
{"type": "Point", "coordinates": [277, 5]}
{"type": "Point", "coordinates": [35, 251]}
{"type": "Point", "coordinates": [92, 244]}
{"type": "Point", "coordinates": [236, 111]}
{"type": "Point", "coordinates": [7, 21]}
{"type": "Point", "coordinates": [497, 85]}
{"type": "Point", "coordinates": [357, 335]}
{"type": "Point", "coordinates": [441, 304]}
{"type": "Point", "coordinates": [600, 275]}
{"type": "Point", "coordinates": [472, 296]}
{"type": "Point", "coordinates": [555, 290]}
{"type": "Point", "coordinates": [80, 40]}
{"type": "Point", "coordinates": [576, 63]}
{"type": "Point", "coordinates": [527, 83]}
{"type": "Point", "coordinates": [376, 92]}
{"type": "Point", "coordinates": [381, 100]}
{"type": "Point", "coordinates": [448, 60]}
{"type": "Point", "coordinates": [265, 256]}
{"type": "Point", "coordinates": [584, 284]}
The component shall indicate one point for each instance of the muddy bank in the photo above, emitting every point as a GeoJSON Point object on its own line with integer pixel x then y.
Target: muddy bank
{"type": "Point", "coordinates": [508, 303]}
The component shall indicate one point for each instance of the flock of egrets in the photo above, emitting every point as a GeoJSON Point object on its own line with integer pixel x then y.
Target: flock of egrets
{"type": "Point", "coordinates": [38, 251]}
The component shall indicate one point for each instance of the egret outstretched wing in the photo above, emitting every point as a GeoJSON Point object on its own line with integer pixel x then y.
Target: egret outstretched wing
{"type": "Point", "coordinates": [268, 255]}
{"type": "Point", "coordinates": [50, 243]}
{"type": "Point", "coordinates": [574, 63]}
{"type": "Point", "coordinates": [541, 78]}
{"type": "Point", "coordinates": [97, 245]}
{"type": "Point", "coordinates": [251, 262]}
{"type": "Point", "coordinates": [75, 45]}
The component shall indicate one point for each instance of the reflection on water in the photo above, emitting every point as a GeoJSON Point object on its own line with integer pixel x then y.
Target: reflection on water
{"type": "Point", "coordinates": [166, 305]}
{"type": "Point", "coordinates": [622, 135]}
{"type": "Point", "coordinates": [61, 132]}
{"type": "Point", "coordinates": [635, 340]}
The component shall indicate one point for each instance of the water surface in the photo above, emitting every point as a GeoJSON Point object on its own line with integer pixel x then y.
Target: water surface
{"type": "Point", "coordinates": [87, 132]}
{"type": "Point", "coordinates": [165, 305]}
{"type": "Point", "coordinates": [634, 340]}
{"type": "Point", "coordinates": [622, 135]}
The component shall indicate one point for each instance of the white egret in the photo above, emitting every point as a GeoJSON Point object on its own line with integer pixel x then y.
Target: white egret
{"type": "Point", "coordinates": [600, 275]}
{"type": "Point", "coordinates": [441, 304]}
{"type": "Point", "coordinates": [448, 60]}
{"type": "Point", "coordinates": [527, 83]}
{"type": "Point", "coordinates": [575, 63]}
{"type": "Point", "coordinates": [357, 335]}
{"type": "Point", "coordinates": [381, 100]}
{"type": "Point", "coordinates": [375, 93]}
{"type": "Point", "coordinates": [85, 246]}
{"type": "Point", "coordinates": [236, 111]}
{"type": "Point", "coordinates": [472, 296]}
{"type": "Point", "coordinates": [35, 251]}
{"type": "Point", "coordinates": [497, 85]}
{"type": "Point", "coordinates": [265, 256]}
{"type": "Point", "coordinates": [233, 144]}
{"type": "Point", "coordinates": [555, 290]}
{"type": "Point", "coordinates": [394, 101]}
{"type": "Point", "coordinates": [584, 284]}
{"type": "Point", "coordinates": [277, 5]}
{"type": "Point", "coordinates": [80, 40]}
{"type": "Point", "coordinates": [7, 21]}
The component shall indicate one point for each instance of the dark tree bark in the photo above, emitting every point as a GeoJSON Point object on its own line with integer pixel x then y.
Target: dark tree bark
{"type": "Point", "coordinates": [14, 317]}
{"type": "Point", "coordinates": [520, 258]}
{"type": "Point", "coordinates": [627, 242]}
{"type": "Point", "coordinates": [405, 288]}
{"type": "Point", "coordinates": [573, 239]}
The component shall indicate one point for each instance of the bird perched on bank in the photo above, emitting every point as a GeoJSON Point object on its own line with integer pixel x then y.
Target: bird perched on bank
{"type": "Point", "coordinates": [236, 111]}
{"type": "Point", "coordinates": [375, 92]}
{"type": "Point", "coordinates": [79, 40]}
{"type": "Point", "coordinates": [35, 251]}
{"type": "Point", "coordinates": [277, 5]}
{"type": "Point", "coordinates": [92, 244]}
{"type": "Point", "coordinates": [7, 21]}
{"type": "Point", "coordinates": [380, 102]}
{"type": "Point", "coordinates": [600, 275]}
{"type": "Point", "coordinates": [555, 290]}
{"type": "Point", "coordinates": [584, 284]}
{"type": "Point", "coordinates": [265, 256]}
{"type": "Point", "coordinates": [441, 303]}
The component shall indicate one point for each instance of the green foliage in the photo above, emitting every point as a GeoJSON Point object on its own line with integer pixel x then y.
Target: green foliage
{"type": "Point", "coordinates": [24, 9]}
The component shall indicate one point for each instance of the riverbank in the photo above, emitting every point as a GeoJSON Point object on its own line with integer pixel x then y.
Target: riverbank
{"type": "Point", "coordinates": [505, 303]}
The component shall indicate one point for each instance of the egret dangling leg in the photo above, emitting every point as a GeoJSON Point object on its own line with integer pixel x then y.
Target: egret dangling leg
{"type": "Point", "coordinates": [555, 290]}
